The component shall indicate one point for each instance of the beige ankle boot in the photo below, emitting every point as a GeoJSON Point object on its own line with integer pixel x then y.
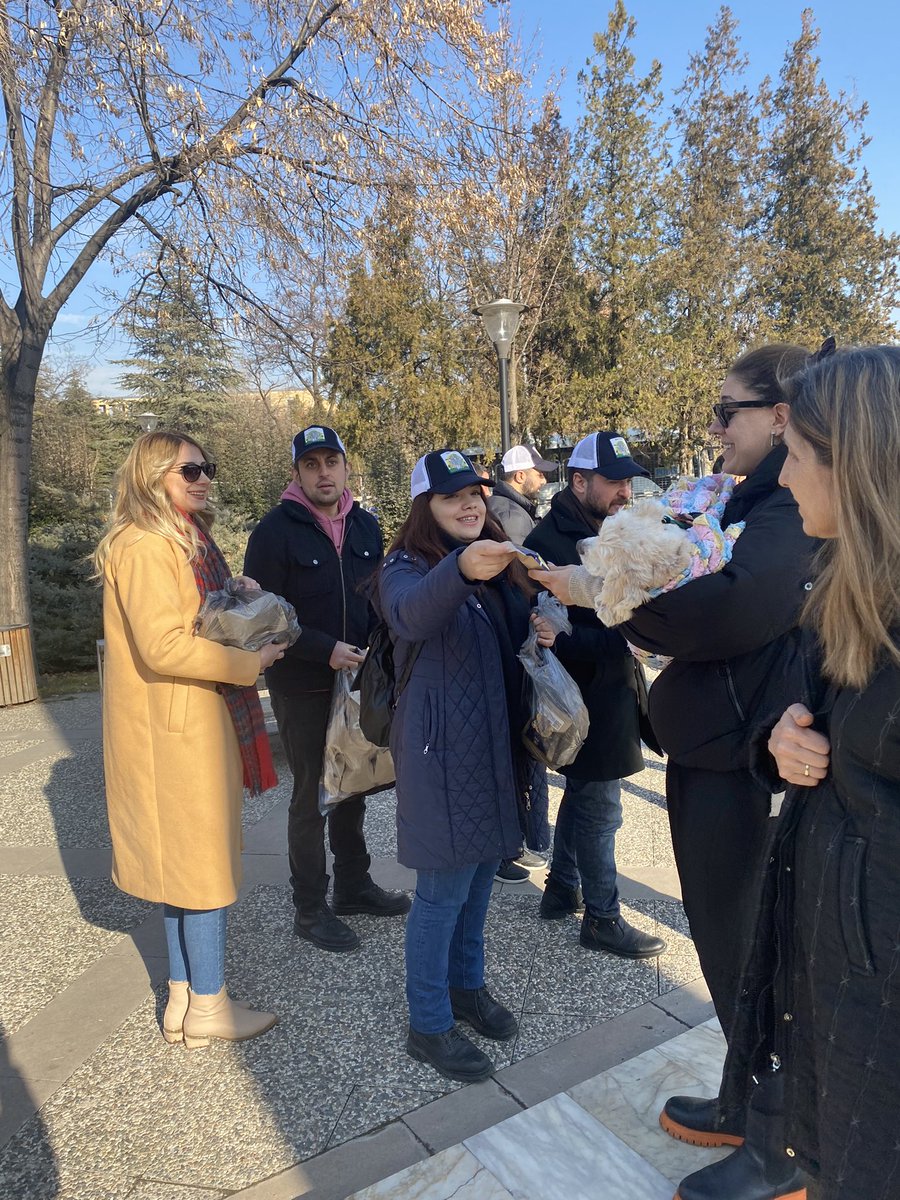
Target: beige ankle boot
{"type": "Point", "coordinates": [176, 1009]}
{"type": "Point", "coordinates": [218, 1017]}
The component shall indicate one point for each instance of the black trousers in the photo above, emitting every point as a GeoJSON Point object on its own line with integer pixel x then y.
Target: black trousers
{"type": "Point", "coordinates": [719, 830]}
{"type": "Point", "coordinates": [302, 722]}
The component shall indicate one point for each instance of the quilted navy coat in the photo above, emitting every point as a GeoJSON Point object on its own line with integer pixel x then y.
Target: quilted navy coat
{"type": "Point", "coordinates": [450, 738]}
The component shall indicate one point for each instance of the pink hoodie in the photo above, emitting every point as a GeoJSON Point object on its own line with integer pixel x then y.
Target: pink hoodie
{"type": "Point", "coordinates": [335, 527]}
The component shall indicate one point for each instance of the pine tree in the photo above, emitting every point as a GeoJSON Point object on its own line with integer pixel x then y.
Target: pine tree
{"type": "Point", "coordinates": [182, 370]}
{"type": "Point", "coordinates": [711, 269]}
{"type": "Point", "coordinates": [831, 270]}
{"type": "Point", "coordinates": [620, 146]}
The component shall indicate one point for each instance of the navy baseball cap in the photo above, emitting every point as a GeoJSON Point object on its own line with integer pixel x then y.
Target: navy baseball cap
{"type": "Point", "coordinates": [608, 454]}
{"type": "Point", "coordinates": [444, 472]}
{"type": "Point", "coordinates": [316, 437]}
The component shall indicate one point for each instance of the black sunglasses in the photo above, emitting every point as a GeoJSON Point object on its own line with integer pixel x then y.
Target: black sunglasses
{"type": "Point", "coordinates": [190, 472]}
{"type": "Point", "coordinates": [724, 412]}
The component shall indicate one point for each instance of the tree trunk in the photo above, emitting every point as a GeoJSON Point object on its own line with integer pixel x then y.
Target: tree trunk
{"type": "Point", "coordinates": [22, 354]}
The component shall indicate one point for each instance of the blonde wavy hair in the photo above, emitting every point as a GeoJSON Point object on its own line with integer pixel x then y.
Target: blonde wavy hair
{"type": "Point", "coordinates": [848, 408]}
{"type": "Point", "coordinates": [142, 500]}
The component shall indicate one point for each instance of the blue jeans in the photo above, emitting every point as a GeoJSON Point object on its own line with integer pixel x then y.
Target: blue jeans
{"type": "Point", "coordinates": [196, 941]}
{"type": "Point", "coordinates": [445, 941]}
{"type": "Point", "coordinates": [584, 846]}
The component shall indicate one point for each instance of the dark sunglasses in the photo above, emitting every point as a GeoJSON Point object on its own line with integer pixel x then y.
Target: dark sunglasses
{"type": "Point", "coordinates": [190, 472]}
{"type": "Point", "coordinates": [724, 412]}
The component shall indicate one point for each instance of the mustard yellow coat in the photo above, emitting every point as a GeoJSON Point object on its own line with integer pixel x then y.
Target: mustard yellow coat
{"type": "Point", "coordinates": [171, 757]}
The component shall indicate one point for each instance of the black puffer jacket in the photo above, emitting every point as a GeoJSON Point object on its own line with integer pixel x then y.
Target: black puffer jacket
{"type": "Point", "coordinates": [733, 635]}
{"type": "Point", "coordinates": [289, 553]}
{"type": "Point", "coordinates": [597, 658]}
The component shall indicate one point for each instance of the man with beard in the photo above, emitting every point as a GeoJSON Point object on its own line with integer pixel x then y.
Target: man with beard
{"type": "Point", "coordinates": [583, 866]}
{"type": "Point", "coordinates": [512, 503]}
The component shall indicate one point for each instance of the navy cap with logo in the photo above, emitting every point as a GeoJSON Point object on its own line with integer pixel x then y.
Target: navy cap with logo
{"type": "Point", "coordinates": [316, 437]}
{"type": "Point", "coordinates": [608, 455]}
{"type": "Point", "coordinates": [444, 472]}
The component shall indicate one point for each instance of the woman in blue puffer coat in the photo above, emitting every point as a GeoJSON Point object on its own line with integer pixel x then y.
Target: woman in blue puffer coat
{"type": "Point", "coordinates": [455, 598]}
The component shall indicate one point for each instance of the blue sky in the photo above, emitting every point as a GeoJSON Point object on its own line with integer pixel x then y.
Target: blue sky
{"type": "Point", "coordinates": [858, 49]}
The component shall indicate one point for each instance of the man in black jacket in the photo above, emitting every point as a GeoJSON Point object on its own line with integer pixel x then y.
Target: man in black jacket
{"type": "Point", "coordinates": [599, 472]}
{"type": "Point", "coordinates": [513, 500]}
{"type": "Point", "coordinates": [318, 549]}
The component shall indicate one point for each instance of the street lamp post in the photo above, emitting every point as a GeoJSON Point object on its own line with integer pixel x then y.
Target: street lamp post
{"type": "Point", "coordinates": [501, 320]}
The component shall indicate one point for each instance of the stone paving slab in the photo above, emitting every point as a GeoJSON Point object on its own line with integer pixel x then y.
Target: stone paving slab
{"type": "Point", "coordinates": [95, 1104]}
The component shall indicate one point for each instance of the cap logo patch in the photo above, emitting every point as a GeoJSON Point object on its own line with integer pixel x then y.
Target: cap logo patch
{"type": "Point", "coordinates": [619, 447]}
{"type": "Point", "coordinates": [454, 461]}
{"type": "Point", "coordinates": [313, 435]}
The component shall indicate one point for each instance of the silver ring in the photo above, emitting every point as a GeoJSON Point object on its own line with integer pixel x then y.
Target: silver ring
{"type": "Point", "coordinates": [806, 769]}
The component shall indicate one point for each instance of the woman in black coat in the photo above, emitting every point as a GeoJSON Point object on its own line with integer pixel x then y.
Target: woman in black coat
{"type": "Point", "coordinates": [457, 603]}
{"type": "Point", "coordinates": [821, 998]}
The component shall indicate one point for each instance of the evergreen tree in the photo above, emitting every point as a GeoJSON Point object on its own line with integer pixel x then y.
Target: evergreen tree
{"type": "Point", "coordinates": [621, 150]}
{"type": "Point", "coordinates": [182, 370]}
{"type": "Point", "coordinates": [831, 271]}
{"type": "Point", "coordinates": [712, 267]}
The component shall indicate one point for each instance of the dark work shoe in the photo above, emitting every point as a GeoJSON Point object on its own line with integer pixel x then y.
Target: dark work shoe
{"type": "Point", "coordinates": [372, 900]}
{"type": "Point", "coordinates": [559, 900]}
{"type": "Point", "coordinates": [511, 872]}
{"type": "Point", "coordinates": [690, 1119]}
{"type": "Point", "coordinates": [451, 1054]}
{"type": "Point", "coordinates": [478, 1008]}
{"type": "Point", "coordinates": [321, 927]}
{"type": "Point", "coordinates": [616, 936]}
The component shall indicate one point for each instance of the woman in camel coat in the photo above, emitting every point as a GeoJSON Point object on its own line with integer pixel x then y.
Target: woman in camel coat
{"type": "Point", "coordinates": [182, 728]}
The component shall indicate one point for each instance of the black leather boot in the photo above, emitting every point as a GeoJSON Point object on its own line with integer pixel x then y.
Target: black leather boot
{"type": "Point", "coordinates": [616, 936]}
{"type": "Point", "coordinates": [559, 900]}
{"type": "Point", "coordinates": [371, 899]}
{"type": "Point", "coordinates": [478, 1008]}
{"type": "Point", "coordinates": [760, 1169]}
{"type": "Point", "coordinates": [451, 1054]}
{"type": "Point", "coordinates": [321, 927]}
{"type": "Point", "coordinates": [689, 1119]}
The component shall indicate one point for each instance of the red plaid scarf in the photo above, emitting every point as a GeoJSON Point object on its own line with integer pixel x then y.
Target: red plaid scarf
{"type": "Point", "coordinates": [210, 573]}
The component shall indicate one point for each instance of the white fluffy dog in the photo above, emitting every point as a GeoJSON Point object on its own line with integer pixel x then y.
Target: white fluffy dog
{"type": "Point", "coordinates": [633, 554]}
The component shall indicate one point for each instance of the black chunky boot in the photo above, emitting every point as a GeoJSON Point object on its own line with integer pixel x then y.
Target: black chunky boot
{"type": "Point", "coordinates": [478, 1008]}
{"type": "Point", "coordinates": [371, 899]}
{"type": "Point", "coordinates": [689, 1119]}
{"type": "Point", "coordinates": [451, 1054]}
{"type": "Point", "coordinates": [616, 936]}
{"type": "Point", "coordinates": [321, 927]}
{"type": "Point", "coordinates": [760, 1169]}
{"type": "Point", "coordinates": [559, 900]}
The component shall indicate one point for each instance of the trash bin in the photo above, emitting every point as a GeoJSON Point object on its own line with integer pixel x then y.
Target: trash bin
{"type": "Point", "coordinates": [18, 682]}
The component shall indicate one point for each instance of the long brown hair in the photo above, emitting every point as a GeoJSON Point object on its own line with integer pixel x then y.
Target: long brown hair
{"type": "Point", "coordinates": [848, 408]}
{"type": "Point", "coordinates": [421, 536]}
{"type": "Point", "coordinates": [766, 369]}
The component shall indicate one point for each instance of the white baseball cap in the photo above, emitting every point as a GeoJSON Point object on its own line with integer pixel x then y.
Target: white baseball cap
{"type": "Point", "coordinates": [520, 458]}
{"type": "Point", "coordinates": [444, 472]}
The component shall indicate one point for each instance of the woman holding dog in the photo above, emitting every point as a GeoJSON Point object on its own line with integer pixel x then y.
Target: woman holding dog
{"type": "Point", "coordinates": [458, 606]}
{"type": "Point", "coordinates": [183, 731]}
{"type": "Point", "coordinates": [734, 640]}
{"type": "Point", "coordinates": [822, 992]}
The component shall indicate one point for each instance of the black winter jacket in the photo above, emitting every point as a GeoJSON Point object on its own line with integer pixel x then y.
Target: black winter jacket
{"type": "Point", "coordinates": [597, 658]}
{"type": "Point", "coordinates": [822, 988]}
{"type": "Point", "coordinates": [515, 514]}
{"type": "Point", "coordinates": [733, 635]}
{"type": "Point", "coordinates": [289, 553]}
{"type": "Point", "coordinates": [457, 800]}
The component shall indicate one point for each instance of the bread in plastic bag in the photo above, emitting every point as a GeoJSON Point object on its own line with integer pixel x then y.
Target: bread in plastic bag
{"type": "Point", "coordinates": [559, 720]}
{"type": "Point", "coordinates": [246, 617]}
{"type": "Point", "coordinates": [351, 765]}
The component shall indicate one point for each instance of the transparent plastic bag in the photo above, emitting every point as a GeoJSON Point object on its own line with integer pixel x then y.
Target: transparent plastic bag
{"type": "Point", "coordinates": [559, 719]}
{"type": "Point", "coordinates": [246, 617]}
{"type": "Point", "coordinates": [351, 765]}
